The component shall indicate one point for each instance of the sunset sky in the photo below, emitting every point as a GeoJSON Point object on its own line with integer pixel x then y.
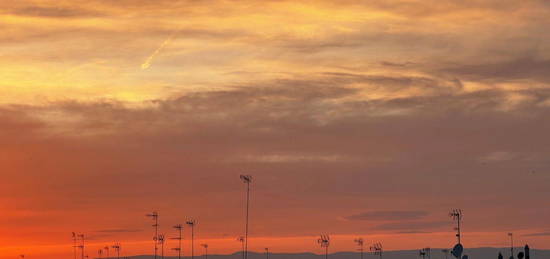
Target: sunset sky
{"type": "Point", "coordinates": [356, 118]}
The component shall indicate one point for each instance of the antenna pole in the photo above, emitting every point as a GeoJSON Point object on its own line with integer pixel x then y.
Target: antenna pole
{"type": "Point", "coordinates": [246, 179]}
{"type": "Point", "coordinates": [267, 253]}
{"type": "Point", "coordinates": [155, 217]}
{"type": "Point", "coordinates": [511, 244]}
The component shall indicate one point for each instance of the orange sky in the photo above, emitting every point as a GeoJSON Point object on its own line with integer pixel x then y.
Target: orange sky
{"type": "Point", "coordinates": [356, 118]}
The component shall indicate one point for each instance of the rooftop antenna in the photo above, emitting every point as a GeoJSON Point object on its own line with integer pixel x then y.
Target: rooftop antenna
{"type": "Point", "coordinates": [511, 235]}
{"type": "Point", "coordinates": [445, 251]}
{"type": "Point", "coordinates": [22, 256]}
{"type": "Point", "coordinates": [179, 228]}
{"type": "Point", "coordinates": [106, 248]}
{"type": "Point", "coordinates": [161, 243]}
{"type": "Point", "coordinates": [425, 253]}
{"type": "Point", "coordinates": [247, 179]}
{"type": "Point", "coordinates": [241, 239]}
{"type": "Point", "coordinates": [205, 250]}
{"type": "Point", "coordinates": [456, 214]}
{"type": "Point", "coordinates": [192, 223]}
{"type": "Point", "coordinates": [526, 249]}
{"type": "Point", "coordinates": [324, 241]}
{"type": "Point", "coordinates": [81, 246]}
{"type": "Point", "coordinates": [360, 242]}
{"type": "Point", "coordinates": [155, 216]}
{"type": "Point", "coordinates": [100, 253]}
{"type": "Point", "coordinates": [267, 253]}
{"type": "Point", "coordinates": [116, 246]}
{"type": "Point", "coordinates": [377, 249]}
{"type": "Point", "coordinates": [74, 244]}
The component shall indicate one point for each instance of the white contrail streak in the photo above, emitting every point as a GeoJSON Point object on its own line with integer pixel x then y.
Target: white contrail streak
{"type": "Point", "coordinates": [148, 61]}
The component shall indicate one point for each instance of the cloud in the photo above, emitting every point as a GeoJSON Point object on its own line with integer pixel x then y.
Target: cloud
{"type": "Point", "coordinates": [412, 226]}
{"type": "Point", "coordinates": [388, 215]}
{"type": "Point", "coordinates": [539, 234]}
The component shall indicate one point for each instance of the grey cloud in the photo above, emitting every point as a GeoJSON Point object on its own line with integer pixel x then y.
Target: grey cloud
{"type": "Point", "coordinates": [388, 215]}
{"type": "Point", "coordinates": [412, 226]}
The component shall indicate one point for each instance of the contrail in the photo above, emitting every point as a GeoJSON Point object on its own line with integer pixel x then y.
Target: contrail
{"type": "Point", "coordinates": [148, 61]}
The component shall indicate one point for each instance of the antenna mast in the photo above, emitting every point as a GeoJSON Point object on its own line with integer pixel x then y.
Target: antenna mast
{"type": "Point", "coordinates": [377, 249]}
{"type": "Point", "coordinates": [205, 250]}
{"type": "Point", "coordinates": [324, 241]}
{"type": "Point", "coordinates": [456, 214]}
{"type": "Point", "coordinates": [179, 227]}
{"type": "Point", "coordinates": [241, 239]}
{"type": "Point", "coordinates": [360, 242]}
{"type": "Point", "coordinates": [192, 224]}
{"type": "Point", "coordinates": [247, 179]}
{"type": "Point", "coordinates": [155, 217]}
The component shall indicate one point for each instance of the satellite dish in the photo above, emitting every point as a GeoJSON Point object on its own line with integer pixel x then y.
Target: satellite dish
{"type": "Point", "coordinates": [521, 255]}
{"type": "Point", "coordinates": [464, 257]}
{"type": "Point", "coordinates": [457, 251]}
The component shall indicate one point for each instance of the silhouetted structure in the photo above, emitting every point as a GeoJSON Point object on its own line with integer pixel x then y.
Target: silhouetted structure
{"type": "Point", "coordinates": [179, 228]}
{"type": "Point", "coordinates": [425, 253]}
{"type": "Point", "coordinates": [106, 248]}
{"type": "Point", "coordinates": [205, 250]}
{"type": "Point", "coordinates": [247, 179]}
{"type": "Point", "coordinates": [266, 253]}
{"type": "Point", "coordinates": [161, 243]}
{"type": "Point", "coordinates": [360, 242]}
{"type": "Point", "coordinates": [191, 223]}
{"type": "Point", "coordinates": [324, 241]}
{"type": "Point", "coordinates": [241, 240]}
{"type": "Point", "coordinates": [526, 249]}
{"type": "Point", "coordinates": [155, 217]}
{"type": "Point", "coordinates": [511, 235]}
{"type": "Point", "coordinates": [116, 246]}
{"type": "Point", "coordinates": [456, 214]}
{"type": "Point", "coordinates": [500, 256]}
{"type": "Point", "coordinates": [74, 244]}
{"type": "Point", "coordinates": [377, 249]}
{"type": "Point", "coordinates": [445, 252]}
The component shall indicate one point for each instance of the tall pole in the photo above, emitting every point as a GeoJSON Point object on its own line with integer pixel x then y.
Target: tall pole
{"type": "Point", "coordinates": [511, 244]}
{"type": "Point", "coordinates": [205, 250]}
{"type": "Point", "coordinates": [74, 244]}
{"type": "Point", "coordinates": [246, 179]}
{"type": "Point", "coordinates": [360, 242]}
{"type": "Point", "coordinates": [266, 253]}
{"type": "Point", "coordinates": [82, 246]}
{"type": "Point", "coordinates": [192, 223]}
{"type": "Point", "coordinates": [107, 249]}
{"type": "Point", "coordinates": [155, 217]}
{"type": "Point", "coordinates": [179, 227]}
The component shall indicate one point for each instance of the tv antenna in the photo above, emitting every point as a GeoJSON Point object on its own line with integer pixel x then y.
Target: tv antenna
{"type": "Point", "coordinates": [241, 240]}
{"type": "Point", "coordinates": [116, 246]}
{"type": "Point", "coordinates": [377, 249]}
{"type": "Point", "coordinates": [161, 243]}
{"type": "Point", "coordinates": [267, 253]}
{"type": "Point", "coordinates": [106, 248]}
{"type": "Point", "coordinates": [100, 253]}
{"type": "Point", "coordinates": [324, 241]}
{"type": "Point", "coordinates": [456, 214]}
{"type": "Point", "coordinates": [155, 216]}
{"type": "Point", "coordinates": [205, 250]}
{"type": "Point", "coordinates": [360, 243]}
{"type": "Point", "coordinates": [247, 179]}
{"type": "Point", "coordinates": [74, 244]}
{"type": "Point", "coordinates": [445, 252]}
{"type": "Point", "coordinates": [81, 246]}
{"type": "Point", "coordinates": [425, 253]}
{"type": "Point", "coordinates": [179, 228]}
{"type": "Point", "coordinates": [191, 223]}
{"type": "Point", "coordinates": [511, 235]}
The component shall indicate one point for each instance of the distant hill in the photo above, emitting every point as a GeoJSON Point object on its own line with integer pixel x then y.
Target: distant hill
{"type": "Point", "coordinates": [473, 253]}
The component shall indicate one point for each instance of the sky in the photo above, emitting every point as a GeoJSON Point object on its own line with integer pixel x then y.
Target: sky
{"type": "Point", "coordinates": [355, 118]}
